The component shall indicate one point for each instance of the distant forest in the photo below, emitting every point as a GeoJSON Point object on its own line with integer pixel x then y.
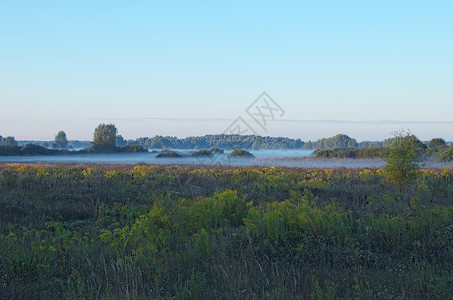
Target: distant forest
{"type": "Point", "coordinates": [222, 141]}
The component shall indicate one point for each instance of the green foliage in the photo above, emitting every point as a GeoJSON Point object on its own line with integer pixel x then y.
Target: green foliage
{"type": "Point", "coordinates": [104, 139]}
{"type": "Point", "coordinates": [226, 141]}
{"type": "Point", "coordinates": [373, 152]}
{"type": "Point", "coordinates": [336, 153]}
{"type": "Point", "coordinates": [135, 232]}
{"type": "Point", "coordinates": [338, 141]}
{"type": "Point", "coordinates": [403, 161]}
{"type": "Point", "coordinates": [419, 146]}
{"type": "Point", "coordinates": [446, 155]}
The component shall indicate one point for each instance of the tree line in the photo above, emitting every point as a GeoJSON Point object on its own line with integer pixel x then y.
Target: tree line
{"type": "Point", "coordinates": [224, 141]}
{"type": "Point", "coordinates": [107, 139]}
{"type": "Point", "coordinates": [104, 141]}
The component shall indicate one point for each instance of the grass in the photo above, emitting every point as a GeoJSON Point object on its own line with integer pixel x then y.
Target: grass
{"type": "Point", "coordinates": [122, 231]}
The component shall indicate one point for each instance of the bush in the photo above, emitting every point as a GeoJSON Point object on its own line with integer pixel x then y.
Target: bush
{"type": "Point", "coordinates": [241, 153]}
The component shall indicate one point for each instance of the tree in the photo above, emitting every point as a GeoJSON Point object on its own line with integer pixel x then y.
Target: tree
{"type": "Point", "coordinates": [120, 142]}
{"type": "Point", "coordinates": [8, 141]}
{"type": "Point", "coordinates": [447, 154]}
{"type": "Point", "coordinates": [437, 143]}
{"type": "Point", "coordinates": [61, 142]}
{"type": "Point", "coordinates": [104, 138]}
{"type": "Point", "coordinates": [403, 161]}
{"type": "Point", "coordinates": [338, 141]}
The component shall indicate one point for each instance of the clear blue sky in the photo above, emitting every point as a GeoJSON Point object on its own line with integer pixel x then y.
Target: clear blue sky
{"type": "Point", "coordinates": [191, 67]}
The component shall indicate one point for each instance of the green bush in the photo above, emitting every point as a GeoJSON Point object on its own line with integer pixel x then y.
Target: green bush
{"type": "Point", "coordinates": [403, 160]}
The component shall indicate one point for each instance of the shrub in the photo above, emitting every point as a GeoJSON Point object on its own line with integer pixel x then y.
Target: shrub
{"type": "Point", "coordinates": [403, 161]}
{"type": "Point", "coordinates": [241, 153]}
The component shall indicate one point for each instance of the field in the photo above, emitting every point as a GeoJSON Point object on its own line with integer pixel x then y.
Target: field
{"type": "Point", "coordinates": [130, 232]}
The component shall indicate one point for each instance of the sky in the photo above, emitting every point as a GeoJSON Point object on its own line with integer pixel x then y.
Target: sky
{"type": "Point", "coordinates": [183, 68]}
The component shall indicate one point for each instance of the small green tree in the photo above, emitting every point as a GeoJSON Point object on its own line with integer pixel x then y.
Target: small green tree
{"type": "Point", "coordinates": [61, 142]}
{"type": "Point", "coordinates": [403, 161]}
{"type": "Point", "coordinates": [104, 138]}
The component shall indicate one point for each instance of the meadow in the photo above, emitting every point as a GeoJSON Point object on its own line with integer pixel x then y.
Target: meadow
{"type": "Point", "coordinates": [80, 231]}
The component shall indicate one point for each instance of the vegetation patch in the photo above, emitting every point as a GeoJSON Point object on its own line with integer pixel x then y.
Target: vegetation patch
{"type": "Point", "coordinates": [169, 153]}
{"type": "Point", "coordinates": [239, 153]}
{"type": "Point", "coordinates": [122, 231]}
{"type": "Point", "coordinates": [202, 152]}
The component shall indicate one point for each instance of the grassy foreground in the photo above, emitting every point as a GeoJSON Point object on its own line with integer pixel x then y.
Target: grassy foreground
{"type": "Point", "coordinates": [117, 231]}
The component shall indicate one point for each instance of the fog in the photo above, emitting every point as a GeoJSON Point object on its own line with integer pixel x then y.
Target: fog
{"type": "Point", "coordinates": [277, 158]}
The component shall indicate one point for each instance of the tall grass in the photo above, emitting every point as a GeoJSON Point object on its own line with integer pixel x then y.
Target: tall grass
{"type": "Point", "coordinates": [119, 231]}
